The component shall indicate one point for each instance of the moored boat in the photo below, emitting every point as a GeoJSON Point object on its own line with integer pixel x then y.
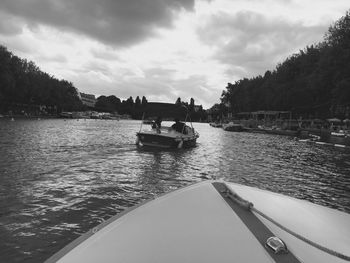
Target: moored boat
{"type": "Point", "coordinates": [67, 115]}
{"type": "Point", "coordinates": [325, 136]}
{"type": "Point", "coordinates": [276, 131]}
{"type": "Point", "coordinates": [216, 221]}
{"type": "Point", "coordinates": [216, 124]}
{"type": "Point", "coordinates": [236, 127]}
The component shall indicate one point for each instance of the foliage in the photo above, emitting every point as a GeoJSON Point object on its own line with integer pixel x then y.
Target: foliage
{"type": "Point", "coordinates": [23, 83]}
{"type": "Point", "coordinates": [196, 112]}
{"type": "Point", "coordinates": [108, 104]}
{"type": "Point", "coordinates": [24, 86]}
{"type": "Point", "coordinates": [313, 83]}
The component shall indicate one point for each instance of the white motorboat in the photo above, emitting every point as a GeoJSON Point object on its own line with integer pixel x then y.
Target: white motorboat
{"type": "Point", "coordinates": [182, 136]}
{"type": "Point", "coordinates": [166, 137]}
{"type": "Point", "coordinates": [215, 221]}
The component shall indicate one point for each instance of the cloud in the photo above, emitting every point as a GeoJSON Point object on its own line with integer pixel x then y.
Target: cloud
{"type": "Point", "coordinates": [157, 84]}
{"type": "Point", "coordinates": [54, 58]}
{"type": "Point", "coordinates": [162, 49]}
{"type": "Point", "coordinates": [9, 25]}
{"type": "Point", "coordinates": [252, 43]}
{"type": "Point", "coordinates": [116, 22]}
{"type": "Point", "coordinates": [106, 54]}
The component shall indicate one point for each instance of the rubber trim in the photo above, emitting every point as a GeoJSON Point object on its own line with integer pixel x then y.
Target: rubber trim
{"type": "Point", "coordinates": [256, 227]}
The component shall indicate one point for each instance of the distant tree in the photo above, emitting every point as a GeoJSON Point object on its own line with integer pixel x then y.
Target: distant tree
{"type": "Point", "coordinates": [339, 33]}
{"type": "Point", "coordinates": [191, 106]}
{"type": "Point", "coordinates": [178, 101]}
{"type": "Point", "coordinates": [144, 101]}
{"type": "Point", "coordinates": [127, 106]}
{"type": "Point", "coordinates": [115, 101]}
{"type": "Point", "coordinates": [102, 103]}
{"type": "Point", "coordinates": [138, 109]}
{"type": "Point", "coordinates": [215, 111]}
{"type": "Point", "coordinates": [137, 102]}
{"type": "Point", "coordinates": [109, 104]}
{"type": "Point", "coordinates": [23, 83]}
{"type": "Point", "coordinates": [130, 102]}
{"type": "Point", "coordinates": [312, 83]}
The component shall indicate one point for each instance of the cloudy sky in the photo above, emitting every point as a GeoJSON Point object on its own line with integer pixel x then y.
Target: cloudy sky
{"type": "Point", "coordinates": [162, 49]}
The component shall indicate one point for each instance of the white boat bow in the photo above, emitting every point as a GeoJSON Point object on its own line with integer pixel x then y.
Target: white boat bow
{"type": "Point", "coordinates": [198, 224]}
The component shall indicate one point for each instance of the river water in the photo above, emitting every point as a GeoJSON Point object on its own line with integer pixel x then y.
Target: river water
{"type": "Point", "coordinates": [59, 178]}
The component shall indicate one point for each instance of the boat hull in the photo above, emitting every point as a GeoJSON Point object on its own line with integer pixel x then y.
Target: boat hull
{"type": "Point", "coordinates": [166, 141]}
{"type": "Point", "coordinates": [195, 224]}
{"type": "Point", "coordinates": [233, 128]}
{"type": "Point", "coordinates": [215, 125]}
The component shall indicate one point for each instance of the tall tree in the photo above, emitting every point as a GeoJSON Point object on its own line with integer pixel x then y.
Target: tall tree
{"type": "Point", "coordinates": [109, 104]}
{"type": "Point", "coordinates": [144, 101]}
{"type": "Point", "coordinates": [191, 106]}
{"type": "Point", "coordinates": [137, 102]}
{"type": "Point", "coordinates": [312, 83]}
{"type": "Point", "coordinates": [23, 83]}
{"type": "Point", "coordinates": [130, 102]}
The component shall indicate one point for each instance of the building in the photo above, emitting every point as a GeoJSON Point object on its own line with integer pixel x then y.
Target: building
{"type": "Point", "coordinates": [88, 99]}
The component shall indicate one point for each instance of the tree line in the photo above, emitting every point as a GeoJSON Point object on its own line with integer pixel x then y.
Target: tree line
{"type": "Point", "coordinates": [25, 88]}
{"type": "Point", "coordinates": [137, 107]}
{"type": "Point", "coordinates": [128, 106]}
{"type": "Point", "coordinates": [23, 83]}
{"type": "Point", "coordinates": [314, 83]}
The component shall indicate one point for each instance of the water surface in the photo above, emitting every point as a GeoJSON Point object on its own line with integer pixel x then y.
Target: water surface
{"type": "Point", "coordinates": [59, 178]}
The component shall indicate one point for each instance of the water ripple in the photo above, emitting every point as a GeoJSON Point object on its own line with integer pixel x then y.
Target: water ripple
{"type": "Point", "coordinates": [60, 178]}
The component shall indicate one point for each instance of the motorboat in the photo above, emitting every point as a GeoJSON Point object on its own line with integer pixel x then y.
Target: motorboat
{"type": "Point", "coordinates": [236, 127]}
{"type": "Point", "coordinates": [217, 221]}
{"type": "Point", "coordinates": [216, 124]}
{"type": "Point", "coordinates": [155, 135]}
{"type": "Point", "coordinates": [68, 115]}
{"type": "Point", "coordinates": [166, 137]}
{"type": "Point", "coordinates": [341, 133]}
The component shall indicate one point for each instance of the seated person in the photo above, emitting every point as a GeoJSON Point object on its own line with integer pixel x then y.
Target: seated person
{"type": "Point", "coordinates": [179, 126]}
{"type": "Point", "coordinates": [157, 124]}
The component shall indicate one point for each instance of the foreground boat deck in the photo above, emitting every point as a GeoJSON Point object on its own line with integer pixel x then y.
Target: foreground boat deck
{"type": "Point", "coordinates": [195, 224]}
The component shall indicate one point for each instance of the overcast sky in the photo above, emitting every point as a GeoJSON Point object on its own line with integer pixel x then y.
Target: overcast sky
{"type": "Point", "coordinates": [162, 49]}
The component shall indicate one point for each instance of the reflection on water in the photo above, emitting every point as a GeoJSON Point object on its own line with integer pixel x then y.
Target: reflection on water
{"type": "Point", "coordinates": [60, 178]}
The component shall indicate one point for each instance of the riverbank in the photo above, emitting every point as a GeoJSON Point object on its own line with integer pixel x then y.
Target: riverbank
{"type": "Point", "coordinates": [65, 115]}
{"type": "Point", "coordinates": [328, 136]}
{"type": "Point", "coordinates": [29, 117]}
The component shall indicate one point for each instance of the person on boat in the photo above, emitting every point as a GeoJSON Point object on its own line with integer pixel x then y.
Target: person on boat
{"type": "Point", "coordinates": [157, 124]}
{"type": "Point", "coordinates": [179, 126]}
